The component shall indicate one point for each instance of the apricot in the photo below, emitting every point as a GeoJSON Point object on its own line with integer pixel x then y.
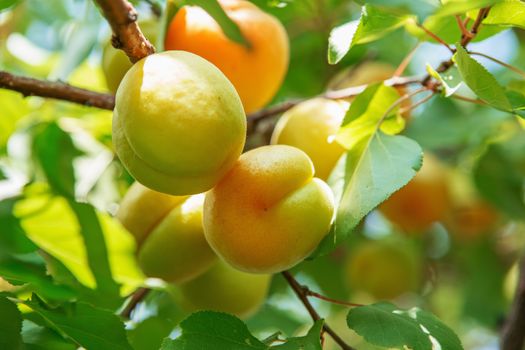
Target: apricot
{"type": "Point", "coordinates": [384, 270]}
{"type": "Point", "coordinates": [169, 233]}
{"type": "Point", "coordinates": [178, 123]}
{"type": "Point", "coordinates": [223, 288]}
{"type": "Point", "coordinates": [256, 70]}
{"type": "Point", "coordinates": [268, 213]}
{"type": "Point", "coordinates": [311, 126]}
{"type": "Point", "coordinates": [423, 201]}
{"type": "Point", "coordinates": [115, 63]}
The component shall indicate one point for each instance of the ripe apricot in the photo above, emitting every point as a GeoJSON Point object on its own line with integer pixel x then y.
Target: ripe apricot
{"type": "Point", "coordinates": [178, 123]}
{"type": "Point", "coordinates": [223, 288]}
{"type": "Point", "coordinates": [269, 212]}
{"type": "Point", "coordinates": [169, 233]}
{"type": "Point", "coordinates": [423, 201]}
{"type": "Point", "coordinates": [115, 63]}
{"type": "Point", "coordinates": [311, 126]}
{"type": "Point", "coordinates": [256, 71]}
{"type": "Point", "coordinates": [384, 270]}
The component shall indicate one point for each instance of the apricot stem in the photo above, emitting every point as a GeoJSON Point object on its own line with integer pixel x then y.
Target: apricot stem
{"type": "Point", "coordinates": [299, 291]}
{"type": "Point", "coordinates": [135, 299]}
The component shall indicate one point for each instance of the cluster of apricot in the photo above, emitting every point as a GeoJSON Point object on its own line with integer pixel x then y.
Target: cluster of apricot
{"type": "Point", "coordinates": [203, 214]}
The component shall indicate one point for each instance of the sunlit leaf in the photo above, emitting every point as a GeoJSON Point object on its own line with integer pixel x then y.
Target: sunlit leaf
{"type": "Point", "coordinates": [10, 325]}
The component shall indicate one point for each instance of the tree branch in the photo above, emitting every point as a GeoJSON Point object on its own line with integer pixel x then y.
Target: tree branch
{"type": "Point", "coordinates": [513, 332]}
{"type": "Point", "coordinates": [127, 36]}
{"type": "Point", "coordinates": [57, 90]}
{"type": "Point", "coordinates": [135, 299]}
{"type": "Point", "coordinates": [298, 289]}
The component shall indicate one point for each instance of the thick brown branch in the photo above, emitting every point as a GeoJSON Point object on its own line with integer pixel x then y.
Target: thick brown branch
{"type": "Point", "coordinates": [135, 299]}
{"type": "Point", "coordinates": [122, 18]}
{"type": "Point", "coordinates": [298, 289]}
{"type": "Point", "coordinates": [513, 332]}
{"type": "Point", "coordinates": [57, 90]}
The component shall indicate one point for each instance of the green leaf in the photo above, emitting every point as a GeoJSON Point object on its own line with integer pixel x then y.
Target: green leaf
{"type": "Point", "coordinates": [82, 239]}
{"type": "Point", "coordinates": [36, 337]}
{"type": "Point", "coordinates": [55, 152]}
{"type": "Point", "coordinates": [479, 80]}
{"type": "Point", "coordinates": [499, 178]}
{"type": "Point", "coordinates": [10, 325]}
{"type": "Point", "coordinates": [375, 22]}
{"type": "Point", "coordinates": [383, 324]}
{"type": "Point", "coordinates": [311, 341]}
{"type": "Point", "coordinates": [364, 114]}
{"type": "Point", "coordinates": [4, 4]}
{"type": "Point", "coordinates": [447, 90]}
{"type": "Point", "coordinates": [213, 330]}
{"type": "Point", "coordinates": [87, 326]}
{"type": "Point", "coordinates": [149, 333]}
{"type": "Point", "coordinates": [453, 7]}
{"type": "Point", "coordinates": [509, 13]}
{"type": "Point", "coordinates": [12, 236]}
{"type": "Point", "coordinates": [366, 176]}
{"type": "Point", "coordinates": [228, 26]}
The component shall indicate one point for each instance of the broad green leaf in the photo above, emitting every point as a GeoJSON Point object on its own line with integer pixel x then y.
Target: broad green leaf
{"type": "Point", "coordinates": [383, 324]}
{"type": "Point", "coordinates": [364, 114]}
{"type": "Point", "coordinates": [509, 13]}
{"type": "Point", "coordinates": [311, 341]}
{"type": "Point", "coordinates": [453, 7]}
{"type": "Point", "coordinates": [418, 7]}
{"type": "Point", "coordinates": [374, 23]}
{"type": "Point", "coordinates": [12, 236]}
{"type": "Point", "coordinates": [149, 333]}
{"type": "Point", "coordinates": [479, 80]}
{"type": "Point", "coordinates": [14, 108]}
{"type": "Point", "coordinates": [10, 325]}
{"type": "Point", "coordinates": [499, 178]}
{"type": "Point", "coordinates": [36, 337]}
{"type": "Point", "coordinates": [4, 4]}
{"type": "Point", "coordinates": [447, 90]}
{"type": "Point", "coordinates": [365, 177]}
{"type": "Point", "coordinates": [228, 26]}
{"type": "Point", "coordinates": [213, 330]}
{"type": "Point", "coordinates": [87, 326]}
{"type": "Point", "coordinates": [52, 224]}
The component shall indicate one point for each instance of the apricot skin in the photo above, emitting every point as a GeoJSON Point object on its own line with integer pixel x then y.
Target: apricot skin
{"type": "Point", "coordinates": [169, 233]}
{"type": "Point", "coordinates": [223, 288]}
{"type": "Point", "coordinates": [269, 212]}
{"type": "Point", "coordinates": [178, 123]}
{"type": "Point", "coordinates": [311, 126]}
{"type": "Point", "coordinates": [256, 71]}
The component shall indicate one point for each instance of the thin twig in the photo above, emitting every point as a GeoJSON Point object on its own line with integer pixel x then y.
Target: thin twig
{"type": "Point", "coordinates": [397, 102]}
{"type": "Point", "coordinates": [122, 17]}
{"type": "Point", "coordinates": [312, 294]}
{"type": "Point", "coordinates": [493, 59]}
{"type": "Point", "coordinates": [417, 104]}
{"type": "Point", "coordinates": [436, 37]}
{"type": "Point", "coordinates": [57, 90]}
{"type": "Point", "coordinates": [464, 31]}
{"type": "Point", "coordinates": [406, 61]}
{"type": "Point", "coordinates": [513, 334]}
{"type": "Point", "coordinates": [135, 299]}
{"type": "Point", "coordinates": [297, 288]}
{"type": "Point", "coordinates": [468, 99]}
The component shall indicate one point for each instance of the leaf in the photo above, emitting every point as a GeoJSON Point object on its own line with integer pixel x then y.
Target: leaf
{"type": "Point", "coordinates": [365, 177]}
{"type": "Point", "coordinates": [12, 236]}
{"type": "Point", "coordinates": [509, 13]}
{"type": "Point", "coordinates": [36, 337]}
{"type": "Point", "coordinates": [383, 324]}
{"type": "Point", "coordinates": [375, 22]}
{"type": "Point", "coordinates": [499, 179]}
{"type": "Point", "coordinates": [149, 333]}
{"type": "Point", "coordinates": [4, 4]}
{"type": "Point", "coordinates": [311, 341]}
{"type": "Point", "coordinates": [215, 10]}
{"type": "Point", "coordinates": [213, 330]}
{"type": "Point", "coordinates": [87, 326]}
{"type": "Point", "coordinates": [479, 80]}
{"type": "Point", "coordinates": [453, 7]}
{"type": "Point", "coordinates": [10, 325]}
{"type": "Point", "coordinates": [447, 91]}
{"type": "Point", "coordinates": [420, 8]}
{"type": "Point", "coordinates": [73, 235]}
{"type": "Point", "coordinates": [364, 114]}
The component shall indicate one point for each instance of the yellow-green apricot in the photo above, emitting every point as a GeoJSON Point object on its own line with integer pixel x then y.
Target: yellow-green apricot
{"type": "Point", "coordinates": [169, 233]}
{"type": "Point", "coordinates": [385, 270]}
{"type": "Point", "coordinates": [268, 213]}
{"type": "Point", "coordinates": [115, 63]}
{"type": "Point", "coordinates": [311, 126]}
{"type": "Point", "coordinates": [178, 123]}
{"type": "Point", "coordinates": [223, 288]}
